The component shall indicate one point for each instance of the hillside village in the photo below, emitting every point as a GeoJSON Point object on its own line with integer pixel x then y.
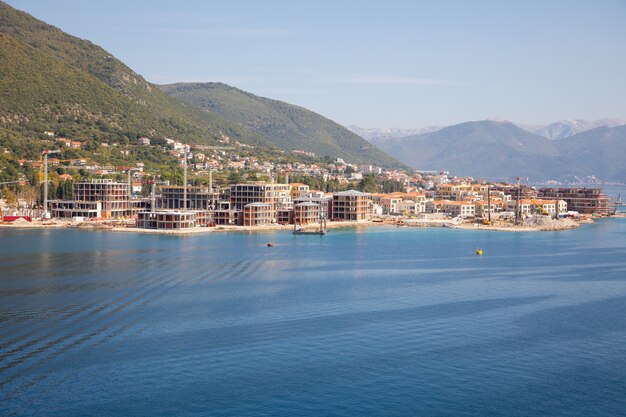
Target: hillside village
{"type": "Point", "coordinates": [86, 140]}
{"type": "Point", "coordinates": [253, 192]}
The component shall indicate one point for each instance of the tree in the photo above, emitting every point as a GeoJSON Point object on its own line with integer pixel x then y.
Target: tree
{"type": "Point", "coordinates": [368, 184]}
{"type": "Point", "coordinates": [146, 186]}
{"type": "Point", "coordinates": [390, 186]}
{"type": "Point", "coordinates": [10, 197]}
{"type": "Point", "coordinates": [235, 177]}
{"type": "Point", "coordinates": [91, 146]}
{"type": "Point", "coordinates": [29, 195]}
{"type": "Point", "coordinates": [65, 190]}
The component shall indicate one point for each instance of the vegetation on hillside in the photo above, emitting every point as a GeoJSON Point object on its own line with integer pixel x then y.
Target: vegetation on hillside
{"type": "Point", "coordinates": [101, 89]}
{"type": "Point", "coordinates": [52, 81]}
{"type": "Point", "coordinates": [285, 125]}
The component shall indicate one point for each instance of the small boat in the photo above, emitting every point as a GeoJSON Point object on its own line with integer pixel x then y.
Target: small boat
{"type": "Point", "coordinates": [270, 245]}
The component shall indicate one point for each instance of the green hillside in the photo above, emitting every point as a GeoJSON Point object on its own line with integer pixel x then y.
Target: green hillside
{"type": "Point", "coordinates": [55, 81]}
{"type": "Point", "coordinates": [285, 125]}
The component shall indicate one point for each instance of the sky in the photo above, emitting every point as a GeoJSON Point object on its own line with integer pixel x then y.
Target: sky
{"type": "Point", "coordinates": [404, 64]}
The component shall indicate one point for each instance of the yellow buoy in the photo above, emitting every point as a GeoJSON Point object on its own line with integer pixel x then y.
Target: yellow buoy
{"type": "Point", "coordinates": [479, 251]}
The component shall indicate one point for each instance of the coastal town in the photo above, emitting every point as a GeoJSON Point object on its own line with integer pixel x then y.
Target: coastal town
{"type": "Point", "coordinates": [269, 200]}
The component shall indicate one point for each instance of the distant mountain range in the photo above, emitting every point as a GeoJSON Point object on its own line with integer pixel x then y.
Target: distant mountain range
{"type": "Point", "coordinates": [52, 81]}
{"type": "Point", "coordinates": [375, 134]}
{"type": "Point", "coordinates": [557, 130]}
{"type": "Point", "coordinates": [566, 128]}
{"type": "Point", "coordinates": [502, 150]}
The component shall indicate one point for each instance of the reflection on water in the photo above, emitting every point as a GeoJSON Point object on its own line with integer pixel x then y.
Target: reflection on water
{"type": "Point", "coordinates": [369, 321]}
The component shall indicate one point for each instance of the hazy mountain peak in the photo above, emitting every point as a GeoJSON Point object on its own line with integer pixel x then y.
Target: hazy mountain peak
{"type": "Point", "coordinates": [375, 133]}
{"type": "Point", "coordinates": [565, 128]}
{"type": "Point", "coordinates": [502, 150]}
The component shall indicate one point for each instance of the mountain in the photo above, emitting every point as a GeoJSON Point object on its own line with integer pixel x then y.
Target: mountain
{"type": "Point", "coordinates": [55, 81]}
{"type": "Point", "coordinates": [557, 130]}
{"type": "Point", "coordinates": [501, 150]}
{"type": "Point", "coordinates": [374, 134]}
{"type": "Point", "coordinates": [566, 128]}
{"type": "Point", "coordinates": [483, 149]}
{"type": "Point", "coordinates": [52, 81]}
{"type": "Point", "coordinates": [600, 152]}
{"type": "Point", "coordinates": [285, 125]}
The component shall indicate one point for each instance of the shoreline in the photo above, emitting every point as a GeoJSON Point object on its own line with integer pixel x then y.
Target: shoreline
{"type": "Point", "coordinates": [447, 223]}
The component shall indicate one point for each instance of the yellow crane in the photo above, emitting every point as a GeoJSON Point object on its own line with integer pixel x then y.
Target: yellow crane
{"type": "Point", "coordinates": [41, 165]}
{"type": "Point", "coordinates": [539, 206]}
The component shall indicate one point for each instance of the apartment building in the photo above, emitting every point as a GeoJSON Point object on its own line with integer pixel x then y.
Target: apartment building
{"type": "Point", "coordinates": [410, 207]}
{"type": "Point", "coordinates": [166, 220]}
{"type": "Point", "coordinates": [459, 208]}
{"type": "Point", "coordinates": [390, 203]}
{"type": "Point", "coordinates": [525, 206]}
{"type": "Point", "coordinates": [257, 214]}
{"type": "Point", "coordinates": [481, 207]}
{"type": "Point", "coordinates": [453, 192]}
{"type": "Point", "coordinates": [113, 196]}
{"type": "Point", "coordinates": [553, 206]}
{"type": "Point", "coordinates": [351, 205]}
{"type": "Point", "coordinates": [583, 200]}
{"type": "Point", "coordinates": [306, 212]}
{"type": "Point", "coordinates": [297, 189]}
{"type": "Point", "coordinates": [435, 206]}
{"type": "Point", "coordinates": [275, 195]}
{"type": "Point", "coordinates": [67, 209]}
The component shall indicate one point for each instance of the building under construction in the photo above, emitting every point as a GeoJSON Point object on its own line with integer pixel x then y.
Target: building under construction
{"type": "Point", "coordinates": [276, 195]}
{"type": "Point", "coordinates": [99, 198]}
{"type": "Point", "coordinates": [113, 195]}
{"type": "Point", "coordinates": [198, 198]}
{"type": "Point", "coordinates": [351, 205]}
{"type": "Point", "coordinates": [166, 220]}
{"type": "Point", "coordinates": [583, 200]}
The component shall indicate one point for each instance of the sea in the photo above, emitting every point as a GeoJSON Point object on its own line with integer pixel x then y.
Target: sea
{"type": "Point", "coordinates": [378, 321]}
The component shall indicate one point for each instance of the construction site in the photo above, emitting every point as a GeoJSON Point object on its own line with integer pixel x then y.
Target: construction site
{"type": "Point", "coordinates": [103, 202]}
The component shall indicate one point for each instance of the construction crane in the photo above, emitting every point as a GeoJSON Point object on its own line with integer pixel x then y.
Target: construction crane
{"type": "Point", "coordinates": [41, 163]}
{"type": "Point", "coordinates": [488, 221]}
{"type": "Point", "coordinates": [203, 148]}
{"type": "Point", "coordinates": [45, 180]}
{"type": "Point", "coordinates": [287, 171]}
{"type": "Point", "coordinates": [130, 184]}
{"type": "Point", "coordinates": [11, 182]}
{"type": "Point", "coordinates": [186, 152]}
{"type": "Point", "coordinates": [540, 208]}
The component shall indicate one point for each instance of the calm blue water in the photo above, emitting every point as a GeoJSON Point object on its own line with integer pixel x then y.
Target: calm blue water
{"type": "Point", "coordinates": [370, 322]}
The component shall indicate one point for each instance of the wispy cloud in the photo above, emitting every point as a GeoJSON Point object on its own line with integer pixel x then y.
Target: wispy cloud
{"type": "Point", "coordinates": [235, 32]}
{"type": "Point", "coordinates": [396, 79]}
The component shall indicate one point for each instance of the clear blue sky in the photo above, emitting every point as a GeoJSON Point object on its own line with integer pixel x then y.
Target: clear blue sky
{"type": "Point", "coordinates": [375, 64]}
